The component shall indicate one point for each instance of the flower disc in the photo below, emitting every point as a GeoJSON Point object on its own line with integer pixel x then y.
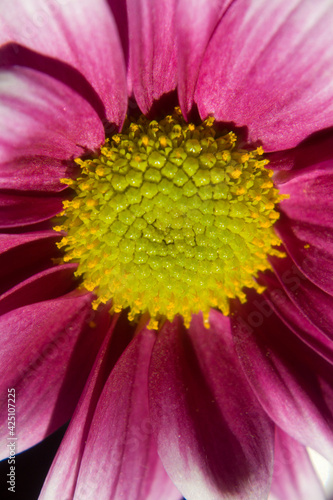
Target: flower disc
{"type": "Point", "coordinates": [171, 218]}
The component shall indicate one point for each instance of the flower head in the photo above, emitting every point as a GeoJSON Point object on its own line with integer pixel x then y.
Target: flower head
{"type": "Point", "coordinates": [167, 277]}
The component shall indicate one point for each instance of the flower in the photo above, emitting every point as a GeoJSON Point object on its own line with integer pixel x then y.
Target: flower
{"type": "Point", "coordinates": [223, 412]}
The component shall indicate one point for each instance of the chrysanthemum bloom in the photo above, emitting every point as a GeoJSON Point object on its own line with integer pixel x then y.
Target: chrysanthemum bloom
{"type": "Point", "coordinates": [192, 350]}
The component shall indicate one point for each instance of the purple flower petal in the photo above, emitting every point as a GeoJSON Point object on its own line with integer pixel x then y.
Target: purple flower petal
{"type": "Point", "coordinates": [316, 149]}
{"type": "Point", "coordinates": [33, 174]}
{"type": "Point", "coordinates": [9, 242]}
{"type": "Point", "coordinates": [315, 304]}
{"type": "Point", "coordinates": [81, 33]}
{"type": "Point", "coordinates": [128, 467]}
{"type": "Point", "coordinates": [262, 57]}
{"type": "Point", "coordinates": [294, 477]}
{"type": "Point", "coordinates": [45, 285]}
{"type": "Point", "coordinates": [291, 381]}
{"type": "Point", "coordinates": [66, 464]}
{"type": "Point", "coordinates": [22, 255]}
{"type": "Point", "coordinates": [119, 12]}
{"type": "Point", "coordinates": [40, 116]}
{"type": "Point", "coordinates": [310, 193]}
{"type": "Point", "coordinates": [47, 351]}
{"type": "Point", "coordinates": [276, 301]}
{"type": "Point", "coordinates": [214, 439]}
{"type": "Point", "coordinates": [151, 25]}
{"type": "Point", "coordinates": [21, 209]}
{"type": "Point", "coordinates": [195, 22]}
{"type": "Point", "coordinates": [311, 248]}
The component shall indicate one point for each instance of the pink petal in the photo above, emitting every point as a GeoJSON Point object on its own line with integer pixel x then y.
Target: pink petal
{"type": "Point", "coordinates": [152, 49]}
{"type": "Point", "coordinates": [316, 149]}
{"type": "Point", "coordinates": [22, 255]}
{"type": "Point", "coordinates": [47, 352]}
{"type": "Point", "coordinates": [276, 301]}
{"type": "Point", "coordinates": [314, 304]}
{"type": "Point", "coordinates": [258, 70]}
{"type": "Point", "coordinates": [41, 116]}
{"type": "Point", "coordinates": [311, 248]}
{"type": "Point", "coordinates": [292, 382]}
{"type": "Point", "coordinates": [294, 477]}
{"type": "Point", "coordinates": [81, 33]}
{"type": "Point", "coordinates": [214, 439]}
{"type": "Point", "coordinates": [62, 477]}
{"type": "Point", "coordinates": [34, 174]}
{"type": "Point", "coordinates": [195, 23]}
{"type": "Point", "coordinates": [310, 193]}
{"type": "Point", "coordinates": [45, 285]}
{"type": "Point", "coordinates": [122, 420]}
{"type": "Point", "coordinates": [9, 242]}
{"type": "Point", "coordinates": [24, 209]}
{"type": "Point", "coordinates": [119, 12]}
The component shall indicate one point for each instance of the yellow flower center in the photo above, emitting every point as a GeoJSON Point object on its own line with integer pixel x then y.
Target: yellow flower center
{"type": "Point", "coordinates": [171, 218]}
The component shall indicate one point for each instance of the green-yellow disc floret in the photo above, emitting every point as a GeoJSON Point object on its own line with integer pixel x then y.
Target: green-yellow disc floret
{"type": "Point", "coordinates": [171, 218]}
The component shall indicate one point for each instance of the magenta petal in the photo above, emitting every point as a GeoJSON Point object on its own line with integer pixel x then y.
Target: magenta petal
{"type": "Point", "coordinates": [277, 301]}
{"type": "Point", "coordinates": [292, 382]}
{"type": "Point", "coordinates": [214, 439]}
{"type": "Point", "coordinates": [311, 248]}
{"type": "Point", "coordinates": [33, 174]}
{"type": "Point", "coordinates": [22, 255]}
{"type": "Point", "coordinates": [263, 56]}
{"type": "Point", "coordinates": [43, 286]}
{"type": "Point", "coordinates": [21, 209]}
{"type": "Point", "coordinates": [310, 193]}
{"type": "Point", "coordinates": [9, 242]}
{"type": "Point", "coordinates": [195, 23]}
{"type": "Point", "coordinates": [128, 467]}
{"type": "Point", "coordinates": [153, 63]}
{"type": "Point", "coordinates": [40, 116]}
{"type": "Point", "coordinates": [62, 476]}
{"type": "Point", "coordinates": [317, 149]}
{"type": "Point", "coordinates": [314, 304]}
{"type": "Point", "coordinates": [47, 352]}
{"type": "Point", "coordinates": [82, 34]}
{"type": "Point", "coordinates": [294, 477]}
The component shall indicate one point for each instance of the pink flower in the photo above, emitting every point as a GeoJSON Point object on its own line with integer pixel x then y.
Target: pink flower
{"type": "Point", "coordinates": [213, 414]}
